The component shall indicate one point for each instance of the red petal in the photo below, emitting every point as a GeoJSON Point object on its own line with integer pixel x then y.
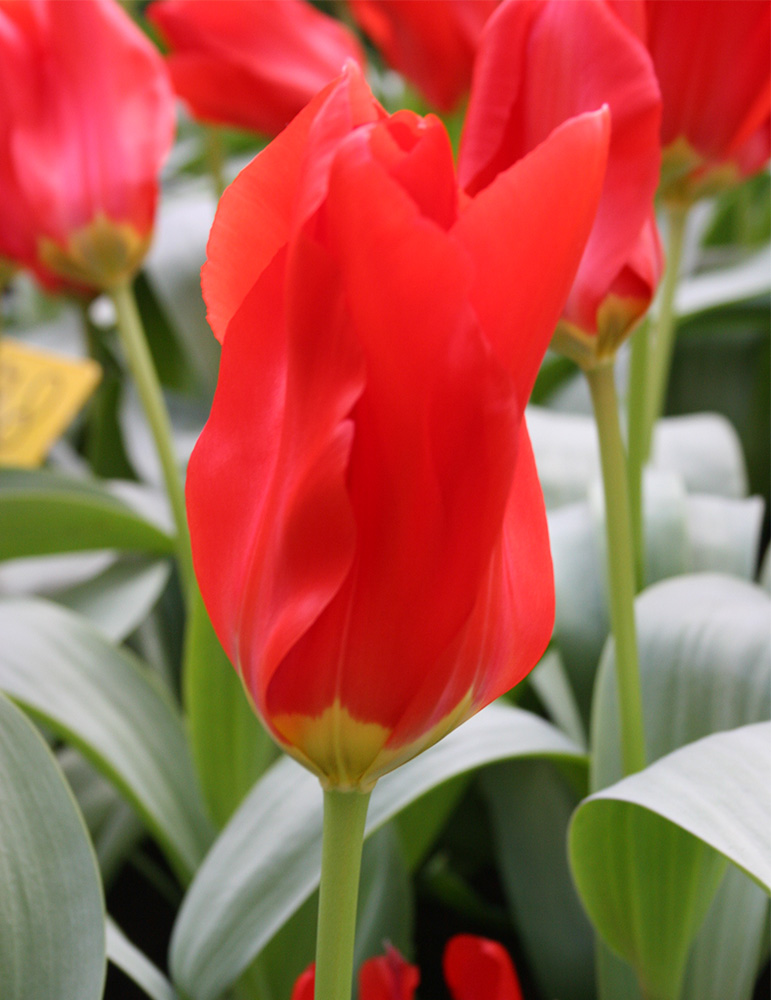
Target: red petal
{"type": "Point", "coordinates": [431, 42]}
{"type": "Point", "coordinates": [257, 212]}
{"type": "Point", "coordinates": [100, 109]}
{"type": "Point", "coordinates": [253, 63]}
{"type": "Point", "coordinates": [478, 969]}
{"type": "Point", "coordinates": [429, 476]}
{"type": "Point", "coordinates": [526, 233]}
{"type": "Point", "coordinates": [305, 985]}
{"type": "Point", "coordinates": [571, 58]}
{"type": "Point", "coordinates": [713, 63]}
{"type": "Point", "coordinates": [388, 978]}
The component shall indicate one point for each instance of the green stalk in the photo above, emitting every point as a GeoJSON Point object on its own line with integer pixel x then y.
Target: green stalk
{"type": "Point", "coordinates": [621, 586]}
{"type": "Point", "coordinates": [343, 839]}
{"type": "Point", "coordinates": [636, 417]}
{"type": "Point", "coordinates": [140, 361]}
{"type": "Point", "coordinates": [660, 360]}
{"type": "Point", "coordinates": [214, 154]}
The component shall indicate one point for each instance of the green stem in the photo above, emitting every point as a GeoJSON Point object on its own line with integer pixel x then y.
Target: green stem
{"type": "Point", "coordinates": [636, 416]}
{"type": "Point", "coordinates": [664, 341]}
{"type": "Point", "coordinates": [620, 565]}
{"type": "Point", "coordinates": [214, 154]}
{"type": "Point", "coordinates": [140, 361]}
{"type": "Point", "coordinates": [343, 838]}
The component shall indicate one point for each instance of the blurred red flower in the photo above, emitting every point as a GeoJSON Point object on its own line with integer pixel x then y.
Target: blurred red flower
{"type": "Point", "coordinates": [367, 525]}
{"type": "Point", "coordinates": [538, 64]}
{"type": "Point", "coordinates": [430, 42]}
{"type": "Point", "coordinates": [475, 968]}
{"type": "Point", "coordinates": [479, 969]}
{"type": "Point", "coordinates": [251, 63]}
{"type": "Point", "coordinates": [86, 120]}
{"type": "Point", "coordinates": [713, 62]}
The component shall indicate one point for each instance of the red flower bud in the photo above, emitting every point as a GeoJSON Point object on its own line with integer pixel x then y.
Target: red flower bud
{"type": "Point", "coordinates": [251, 63]}
{"type": "Point", "coordinates": [430, 42]}
{"type": "Point", "coordinates": [478, 969]}
{"type": "Point", "coordinates": [367, 525]}
{"type": "Point", "coordinates": [713, 63]}
{"type": "Point", "coordinates": [538, 64]}
{"type": "Point", "coordinates": [86, 119]}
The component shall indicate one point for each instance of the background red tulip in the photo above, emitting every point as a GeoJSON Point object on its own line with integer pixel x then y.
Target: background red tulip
{"type": "Point", "coordinates": [479, 969]}
{"type": "Point", "coordinates": [251, 63]}
{"type": "Point", "coordinates": [367, 525]}
{"type": "Point", "coordinates": [538, 64]}
{"type": "Point", "coordinates": [713, 63]}
{"type": "Point", "coordinates": [475, 968]}
{"type": "Point", "coordinates": [86, 119]}
{"type": "Point", "coordinates": [430, 42]}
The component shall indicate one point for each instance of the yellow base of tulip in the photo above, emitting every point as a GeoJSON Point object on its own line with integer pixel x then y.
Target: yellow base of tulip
{"type": "Point", "coordinates": [349, 754]}
{"type": "Point", "coordinates": [104, 254]}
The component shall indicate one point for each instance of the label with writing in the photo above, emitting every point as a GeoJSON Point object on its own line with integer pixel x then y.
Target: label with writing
{"type": "Point", "coordinates": [40, 393]}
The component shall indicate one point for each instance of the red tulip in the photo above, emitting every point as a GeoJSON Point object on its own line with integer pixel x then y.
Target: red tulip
{"type": "Point", "coordinates": [86, 119]}
{"type": "Point", "coordinates": [538, 64]}
{"type": "Point", "coordinates": [478, 969]}
{"type": "Point", "coordinates": [713, 62]}
{"type": "Point", "coordinates": [251, 63]}
{"type": "Point", "coordinates": [430, 42]}
{"type": "Point", "coordinates": [367, 525]}
{"type": "Point", "coordinates": [475, 968]}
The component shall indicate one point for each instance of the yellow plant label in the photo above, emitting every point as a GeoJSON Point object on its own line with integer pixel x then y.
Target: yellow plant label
{"type": "Point", "coordinates": [40, 393]}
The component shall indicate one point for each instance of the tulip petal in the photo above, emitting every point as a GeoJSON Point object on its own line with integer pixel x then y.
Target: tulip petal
{"type": "Point", "coordinates": [435, 431]}
{"type": "Point", "coordinates": [713, 62]}
{"type": "Point", "coordinates": [388, 977]}
{"type": "Point", "coordinates": [257, 212]}
{"type": "Point", "coordinates": [479, 969]}
{"type": "Point", "coordinates": [269, 515]}
{"type": "Point", "coordinates": [251, 63]}
{"type": "Point", "coordinates": [569, 58]}
{"type": "Point", "coordinates": [525, 233]}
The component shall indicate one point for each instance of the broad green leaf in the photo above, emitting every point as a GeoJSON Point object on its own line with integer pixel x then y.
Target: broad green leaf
{"type": "Point", "coordinates": [112, 825]}
{"type": "Point", "coordinates": [721, 364]}
{"type": "Point", "coordinates": [683, 533]}
{"type": "Point", "coordinates": [118, 600]}
{"type": "Point", "coordinates": [421, 822]}
{"type": "Point", "coordinates": [629, 843]}
{"type": "Point", "coordinates": [550, 682]}
{"type": "Point", "coordinates": [530, 804]}
{"type": "Point", "coordinates": [705, 666]}
{"type": "Point", "coordinates": [44, 512]}
{"type": "Point", "coordinates": [266, 862]}
{"type": "Point", "coordinates": [703, 449]}
{"type": "Point", "coordinates": [99, 699]}
{"type": "Point", "coordinates": [136, 965]}
{"type": "Point", "coordinates": [725, 286]}
{"type": "Point", "coordinates": [230, 747]}
{"type": "Point", "coordinates": [385, 898]}
{"type": "Point", "coordinates": [51, 905]}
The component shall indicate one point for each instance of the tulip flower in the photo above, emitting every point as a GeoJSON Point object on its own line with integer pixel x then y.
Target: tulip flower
{"type": "Point", "coordinates": [368, 529]}
{"type": "Point", "coordinates": [430, 42]}
{"type": "Point", "coordinates": [86, 119]}
{"type": "Point", "coordinates": [251, 63]}
{"type": "Point", "coordinates": [538, 64]}
{"type": "Point", "coordinates": [475, 968]}
{"type": "Point", "coordinates": [713, 63]}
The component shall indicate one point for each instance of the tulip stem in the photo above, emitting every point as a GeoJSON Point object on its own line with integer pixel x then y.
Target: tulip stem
{"type": "Point", "coordinates": [345, 813]}
{"type": "Point", "coordinates": [214, 153]}
{"type": "Point", "coordinates": [662, 347]}
{"type": "Point", "coordinates": [636, 415]}
{"type": "Point", "coordinates": [620, 562]}
{"type": "Point", "coordinates": [132, 336]}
